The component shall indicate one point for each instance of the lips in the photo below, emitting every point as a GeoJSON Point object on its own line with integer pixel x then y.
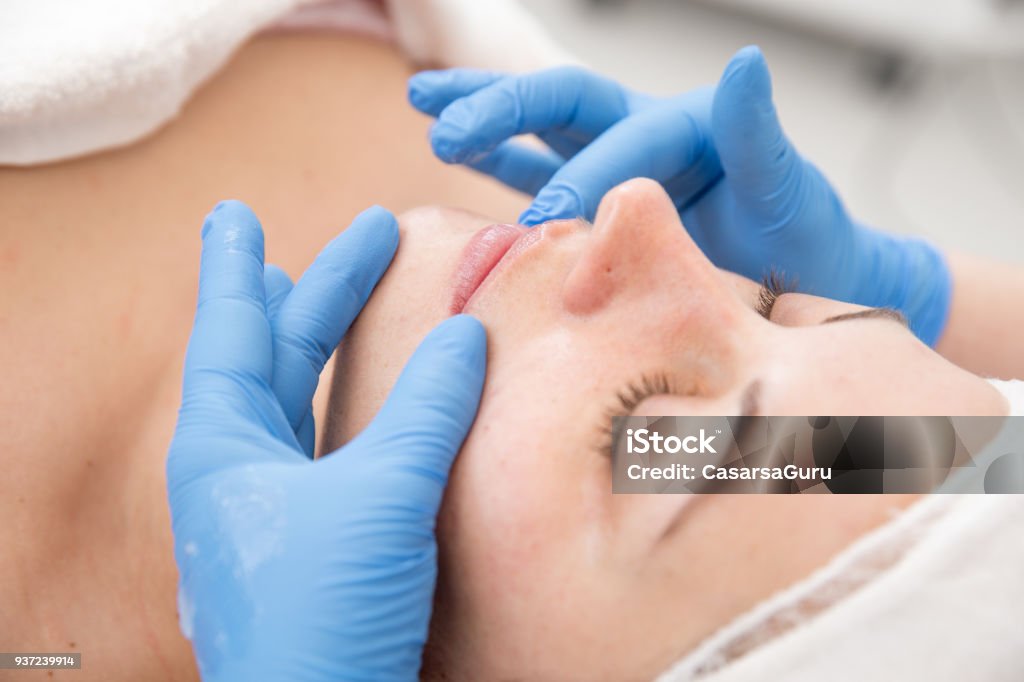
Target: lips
{"type": "Point", "coordinates": [481, 255]}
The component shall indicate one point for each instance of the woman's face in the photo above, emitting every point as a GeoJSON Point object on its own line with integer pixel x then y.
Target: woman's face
{"type": "Point", "coordinates": [546, 574]}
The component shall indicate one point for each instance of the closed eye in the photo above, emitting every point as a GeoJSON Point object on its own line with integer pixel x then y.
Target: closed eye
{"type": "Point", "coordinates": [626, 400]}
{"type": "Point", "coordinates": [775, 284]}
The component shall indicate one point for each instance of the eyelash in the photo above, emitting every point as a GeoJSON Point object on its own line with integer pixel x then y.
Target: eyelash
{"type": "Point", "coordinates": [634, 393]}
{"type": "Point", "coordinates": [773, 284]}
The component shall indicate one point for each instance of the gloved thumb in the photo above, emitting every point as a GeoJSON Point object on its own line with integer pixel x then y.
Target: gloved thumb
{"type": "Point", "coordinates": [757, 158]}
{"type": "Point", "coordinates": [426, 417]}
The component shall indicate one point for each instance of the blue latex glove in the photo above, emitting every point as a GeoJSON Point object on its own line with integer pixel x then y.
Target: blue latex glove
{"type": "Point", "coordinates": [293, 569]}
{"type": "Point", "coordinates": [747, 197]}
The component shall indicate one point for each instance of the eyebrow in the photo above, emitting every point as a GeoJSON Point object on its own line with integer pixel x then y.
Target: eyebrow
{"type": "Point", "coordinates": [871, 314]}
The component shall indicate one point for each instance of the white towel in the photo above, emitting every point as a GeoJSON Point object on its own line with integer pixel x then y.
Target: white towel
{"type": "Point", "coordinates": [934, 595]}
{"type": "Point", "coordinates": [1013, 391]}
{"type": "Point", "coordinates": [77, 76]}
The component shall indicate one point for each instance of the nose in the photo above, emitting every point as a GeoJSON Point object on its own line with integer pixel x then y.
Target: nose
{"type": "Point", "coordinates": [638, 250]}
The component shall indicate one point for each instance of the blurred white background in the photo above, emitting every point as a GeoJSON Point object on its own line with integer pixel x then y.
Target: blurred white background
{"type": "Point", "coordinates": [916, 115]}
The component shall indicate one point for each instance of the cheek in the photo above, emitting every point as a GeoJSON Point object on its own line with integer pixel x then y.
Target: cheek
{"type": "Point", "coordinates": [521, 511]}
{"type": "Point", "coordinates": [519, 477]}
{"type": "Point", "coordinates": [370, 359]}
{"type": "Point", "coordinates": [406, 304]}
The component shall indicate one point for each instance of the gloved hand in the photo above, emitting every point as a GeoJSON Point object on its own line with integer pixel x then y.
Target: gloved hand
{"type": "Point", "coordinates": [747, 197]}
{"type": "Point", "coordinates": [293, 569]}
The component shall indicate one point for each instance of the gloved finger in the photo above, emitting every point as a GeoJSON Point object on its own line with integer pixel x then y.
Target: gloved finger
{"type": "Point", "coordinates": [431, 91]}
{"type": "Point", "coordinates": [563, 143]}
{"type": "Point", "coordinates": [663, 143]}
{"type": "Point", "coordinates": [567, 99]}
{"type": "Point", "coordinates": [325, 300]}
{"type": "Point", "coordinates": [277, 285]}
{"type": "Point", "coordinates": [231, 336]}
{"type": "Point", "coordinates": [306, 433]}
{"type": "Point", "coordinates": [519, 167]}
{"type": "Point", "coordinates": [426, 417]}
{"type": "Point", "coordinates": [755, 153]}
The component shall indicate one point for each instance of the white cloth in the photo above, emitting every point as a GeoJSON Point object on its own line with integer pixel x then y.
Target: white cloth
{"type": "Point", "coordinates": [487, 34]}
{"type": "Point", "coordinates": [77, 76]}
{"type": "Point", "coordinates": [935, 595]}
{"type": "Point", "coordinates": [1013, 391]}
